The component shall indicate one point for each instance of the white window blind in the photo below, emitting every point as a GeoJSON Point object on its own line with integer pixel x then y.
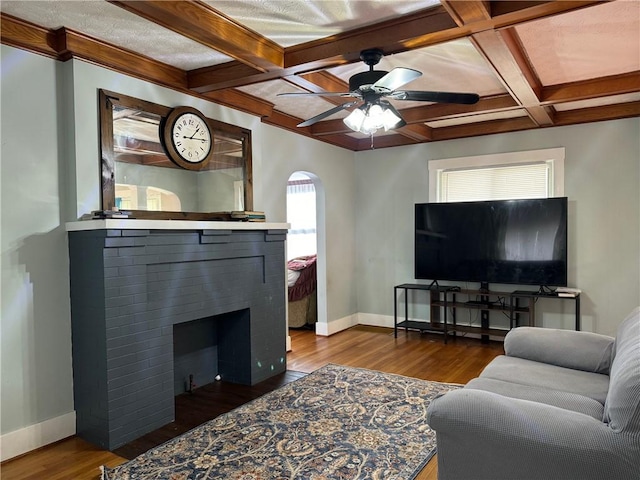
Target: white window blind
{"type": "Point", "coordinates": [496, 183]}
{"type": "Point", "coordinates": [500, 176]}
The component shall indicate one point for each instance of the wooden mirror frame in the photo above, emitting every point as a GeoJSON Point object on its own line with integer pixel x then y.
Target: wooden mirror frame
{"type": "Point", "coordinates": [107, 100]}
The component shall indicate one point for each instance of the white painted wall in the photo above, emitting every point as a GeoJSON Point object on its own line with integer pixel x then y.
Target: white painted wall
{"type": "Point", "coordinates": [602, 182]}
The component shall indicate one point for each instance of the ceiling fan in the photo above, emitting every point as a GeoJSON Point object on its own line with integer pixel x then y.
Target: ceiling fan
{"type": "Point", "coordinates": [372, 88]}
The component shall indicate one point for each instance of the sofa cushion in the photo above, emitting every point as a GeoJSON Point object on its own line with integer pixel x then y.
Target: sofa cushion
{"type": "Point", "coordinates": [622, 408]}
{"type": "Point", "coordinates": [556, 398]}
{"type": "Point", "coordinates": [586, 351]}
{"type": "Point", "coordinates": [536, 374]}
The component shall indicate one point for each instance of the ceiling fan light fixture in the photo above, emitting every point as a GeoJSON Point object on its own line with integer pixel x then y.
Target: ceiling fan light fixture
{"type": "Point", "coordinates": [371, 117]}
{"type": "Point", "coordinates": [355, 119]}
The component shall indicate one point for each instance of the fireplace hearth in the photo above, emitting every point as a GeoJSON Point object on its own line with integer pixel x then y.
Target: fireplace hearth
{"type": "Point", "coordinates": [149, 304]}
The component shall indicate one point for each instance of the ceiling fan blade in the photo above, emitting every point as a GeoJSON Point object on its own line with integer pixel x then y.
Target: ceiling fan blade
{"type": "Point", "coordinates": [326, 114]}
{"type": "Point", "coordinates": [396, 78]}
{"type": "Point", "coordinates": [313, 94]}
{"type": "Point", "coordinates": [439, 97]}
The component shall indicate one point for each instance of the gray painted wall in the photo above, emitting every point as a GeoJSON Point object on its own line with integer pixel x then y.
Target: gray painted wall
{"type": "Point", "coordinates": [35, 334]}
{"type": "Point", "coordinates": [602, 180]}
{"type": "Point", "coordinates": [55, 178]}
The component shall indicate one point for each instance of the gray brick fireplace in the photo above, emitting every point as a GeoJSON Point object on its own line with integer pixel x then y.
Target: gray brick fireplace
{"type": "Point", "coordinates": [219, 292]}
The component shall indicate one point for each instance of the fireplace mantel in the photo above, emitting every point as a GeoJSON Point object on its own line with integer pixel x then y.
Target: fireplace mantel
{"type": "Point", "coordinates": [134, 224]}
{"type": "Point", "coordinates": [132, 281]}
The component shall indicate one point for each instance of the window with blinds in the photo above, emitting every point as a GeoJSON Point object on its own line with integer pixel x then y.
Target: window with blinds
{"type": "Point", "coordinates": [495, 183]}
{"type": "Point", "coordinates": [505, 176]}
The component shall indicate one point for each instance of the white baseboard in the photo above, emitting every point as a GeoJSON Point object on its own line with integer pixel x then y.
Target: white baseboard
{"type": "Point", "coordinates": [375, 320]}
{"type": "Point", "coordinates": [326, 329]}
{"type": "Point", "coordinates": [35, 436]}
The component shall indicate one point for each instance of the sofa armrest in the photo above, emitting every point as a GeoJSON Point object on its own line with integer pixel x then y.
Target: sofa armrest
{"type": "Point", "coordinates": [483, 435]}
{"type": "Point", "coordinates": [586, 351]}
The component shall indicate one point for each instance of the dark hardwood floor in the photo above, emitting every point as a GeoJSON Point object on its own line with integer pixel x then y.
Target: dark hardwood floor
{"type": "Point", "coordinates": [204, 404]}
{"type": "Point", "coordinates": [412, 354]}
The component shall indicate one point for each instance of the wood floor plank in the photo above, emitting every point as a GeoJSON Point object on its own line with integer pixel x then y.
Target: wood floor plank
{"type": "Point", "coordinates": [412, 354]}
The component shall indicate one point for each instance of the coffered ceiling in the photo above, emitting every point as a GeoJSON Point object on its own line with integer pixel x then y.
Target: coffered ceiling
{"type": "Point", "coordinates": [535, 64]}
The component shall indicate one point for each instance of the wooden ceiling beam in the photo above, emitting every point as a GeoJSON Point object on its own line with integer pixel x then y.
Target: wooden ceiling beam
{"type": "Point", "coordinates": [439, 111]}
{"type": "Point", "coordinates": [241, 101]}
{"type": "Point", "coordinates": [22, 34]}
{"type": "Point", "coordinates": [64, 44]}
{"type": "Point", "coordinates": [420, 29]}
{"type": "Point", "coordinates": [72, 44]}
{"type": "Point", "coordinates": [220, 75]}
{"type": "Point", "coordinates": [464, 12]}
{"type": "Point", "coordinates": [598, 114]}
{"type": "Point", "coordinates": [417, 132]}
{"type": "Point", "coordinates": [202, 24]}
{"type": "Point", "coordinates": [326, 82]}
{"type": "Point", "coordinates": [405, 33]}
{"type": "Point", "coordinates": [588, 89]}
{"type": "Point", "coordinates": [501, 51]}
{"type": "Point", "coordinates": [512, 12]}
{"type": "Point", "coordinates": [320, 82]}
{"type": "Point", "coordinates": [483, 128]}
{"type": "Point", "coordinates": [289, 122]}
{"type": "Point", "coordinates": [392, 36]}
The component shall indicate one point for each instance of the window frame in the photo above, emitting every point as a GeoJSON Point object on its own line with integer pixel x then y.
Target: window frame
{"type": "Point", "coordinates": [555, 156]}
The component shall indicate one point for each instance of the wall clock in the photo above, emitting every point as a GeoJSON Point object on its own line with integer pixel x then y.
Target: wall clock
{"type": "Point", "coordinates": [187, 138]}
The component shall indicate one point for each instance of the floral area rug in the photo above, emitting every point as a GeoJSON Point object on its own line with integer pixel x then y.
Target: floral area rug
{"type": "Point", "coordinates": [335, 423]}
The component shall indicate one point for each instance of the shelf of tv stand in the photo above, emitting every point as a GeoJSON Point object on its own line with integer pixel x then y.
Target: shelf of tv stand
{"type": "Point", "coordinates": [444, 298]}
{"type": "Point", "coordinates": [481, 306]}
{"type": "Point", "coordinates": [496, 332]}
{"type": "Point", "coordinates": [422, 326]}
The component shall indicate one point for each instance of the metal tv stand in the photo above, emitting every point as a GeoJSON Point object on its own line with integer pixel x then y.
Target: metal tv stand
{"type": "Point", "coordinates": [445, 300]}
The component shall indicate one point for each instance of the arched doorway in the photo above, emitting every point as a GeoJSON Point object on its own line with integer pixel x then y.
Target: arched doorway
{"type": "Point", "coordinates": [306, 250]}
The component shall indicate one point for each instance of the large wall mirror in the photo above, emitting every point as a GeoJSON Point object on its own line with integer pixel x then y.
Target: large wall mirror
{"type": "Point", "coordinates": [138, 176]}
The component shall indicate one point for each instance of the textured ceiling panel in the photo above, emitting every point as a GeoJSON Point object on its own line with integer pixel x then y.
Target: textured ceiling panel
{"type": "Point", "coordinates": [116, 26]}
{"type": "Point", "coordinates": [485, 117]}
{"type": "Point", "coordinates": [595, 42]}
{"type": "Point", "coordinates": [300, 107]}
{"type": "Point", "coordinates": [291, 22]}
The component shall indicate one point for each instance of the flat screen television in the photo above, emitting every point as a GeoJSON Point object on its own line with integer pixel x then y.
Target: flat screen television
{"type": "Point", "coordinates": [522, 242]}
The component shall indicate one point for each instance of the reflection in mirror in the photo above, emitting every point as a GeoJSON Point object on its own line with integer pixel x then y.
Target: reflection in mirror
{"type": "Point", "coordinates": [138, 175]}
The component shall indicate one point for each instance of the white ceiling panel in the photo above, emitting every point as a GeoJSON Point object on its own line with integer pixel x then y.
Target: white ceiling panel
{"type": "Point", "coordinates": [589, 43]}
{"type": "Point", "coordinates": [598, 102]}
{"type": "Point", "coordinates": [106, 22]}
{"type": "Point", "coordinates": [485, 117]}
{"type": "Point", "coordinates": [291, 22]}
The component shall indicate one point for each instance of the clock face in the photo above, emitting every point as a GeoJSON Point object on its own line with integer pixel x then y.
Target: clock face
{"type": "Point", "coordinates": [191, 137]}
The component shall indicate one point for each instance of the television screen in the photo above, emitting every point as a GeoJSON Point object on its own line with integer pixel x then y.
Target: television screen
{"type": "Point", "coordinates": [522, 242]}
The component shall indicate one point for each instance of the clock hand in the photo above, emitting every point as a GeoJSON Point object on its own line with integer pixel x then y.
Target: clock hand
{"type": "Point", "coordinates": [194, 133]}
{"type": "Point", "coordinates": [191, 138]}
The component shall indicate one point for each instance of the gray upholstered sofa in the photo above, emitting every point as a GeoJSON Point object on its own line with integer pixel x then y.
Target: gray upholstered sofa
{"type": "Point", "coordinates": [558, 405]}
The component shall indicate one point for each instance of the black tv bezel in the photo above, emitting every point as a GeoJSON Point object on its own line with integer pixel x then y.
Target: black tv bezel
{"type": "Point", "coordinates": [485, 282]}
